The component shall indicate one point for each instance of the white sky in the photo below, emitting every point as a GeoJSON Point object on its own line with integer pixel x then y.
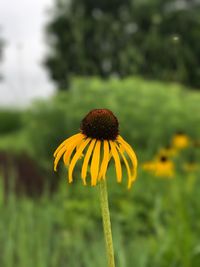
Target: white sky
{"type": "Point", "coordinates": [22, 27]}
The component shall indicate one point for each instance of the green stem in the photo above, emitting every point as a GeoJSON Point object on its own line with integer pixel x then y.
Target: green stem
{"type": "Point", "coordinates": [106, 223]}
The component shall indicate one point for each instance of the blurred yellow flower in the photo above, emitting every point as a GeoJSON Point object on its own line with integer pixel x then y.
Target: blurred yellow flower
{"type": "Point", "coordinates": [164, 167]}
{"type": "Point", "coordinates": [148, 166]}
{"type": "Point", "coordinates": [161, 167]}
{"type": "Point", "coordinates": [180, 141]}
{"type": "Point", "coordinates": [168, 151]}
{"type": "Point", "coordinates": [100, 138]}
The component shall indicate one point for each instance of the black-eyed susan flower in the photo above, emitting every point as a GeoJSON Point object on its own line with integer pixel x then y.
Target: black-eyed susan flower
{"type": "Point", "coordinates": [97, 143]}
{"type": "Point", "coordinates": [180, 140]}
{"type": "Point", "coordinates": [160, 167]}
{"type": "Point", "coordinates": [148, 166]}
{"type": "Point", "coordinates": [164, 167]}
{"type": "Point", "coordinates": [168, 151]}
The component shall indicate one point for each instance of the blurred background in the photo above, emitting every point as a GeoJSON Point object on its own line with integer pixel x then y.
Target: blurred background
{"type": "Point", "coordinates": [58, 60]}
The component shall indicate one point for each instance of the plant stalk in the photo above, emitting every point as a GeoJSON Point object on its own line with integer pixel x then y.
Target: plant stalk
{"type": "Point", "coordinates": [106, 223]}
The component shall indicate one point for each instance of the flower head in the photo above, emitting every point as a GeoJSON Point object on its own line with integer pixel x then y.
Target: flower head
{"type": "Point", "coordinates": [180, 140]}
{"type": "Point", "coordinates": [164, 167]}
{"type": "Point", "coordinates": [98, 142]}
{"type": "Point", "coordinates": [167, 151]}
{"type": "Point", "coordinates": [161, 167]}
{"type": "Point", "coordinates": [148, 166]}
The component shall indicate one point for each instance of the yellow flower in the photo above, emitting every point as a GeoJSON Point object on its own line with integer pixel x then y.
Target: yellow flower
{"type": "Point", "coordinates": [161, 167]}
{"type": "Point", "coordinates": [99, 138]}
{"type": "Point", "coordinates": [148, 166]}
{"type": "Point", "coordinates": [167, 151]}
{"type": "Point", "coordinates": [180, 140]}
{"type": "Point", "coordinates": [164, 167]}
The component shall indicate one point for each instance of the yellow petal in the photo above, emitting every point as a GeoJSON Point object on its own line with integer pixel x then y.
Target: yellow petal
{"type": "Point", "coordinates": [76, 157]}
{"type": "Point", "coordinates": [76, 141]}
{"type": "Point", "coordinates": [104, 164]}
{"type": "Point", "coordinates": [65, 142]}
{"type": "Point", "coordinates": [86, 160]}
{"type": "Point", "coordinates": [130, 148]}
{"type": "Point", "coordinates": [58, 156]}
{"type": "Point", "coordinates": [131, 154]}
{"type": "Point", "coordinates": [118, 166]}
{"type": "Point", "coordinates": [121, 150]}
{"type": "Point", "coordinates": [95, 163]}
{"type": "Point", "coordinates": [77, 147]}
{"type": "Point", "coordinates": [134, 168]}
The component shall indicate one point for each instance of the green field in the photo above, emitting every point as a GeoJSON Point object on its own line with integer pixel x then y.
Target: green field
{"type": "Point", "coordinates": [155, 224]}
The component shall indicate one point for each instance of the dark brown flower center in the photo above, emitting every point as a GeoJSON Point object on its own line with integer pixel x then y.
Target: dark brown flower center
{"type": "Point", "coordinates": [163, 159]}
{"type": "Point", "coordinates": [179, 133]}
{"type": "Point", "coordinates": [100, 124]}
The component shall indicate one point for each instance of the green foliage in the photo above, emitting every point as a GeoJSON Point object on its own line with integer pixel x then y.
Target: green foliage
{"type": "Point", "coordinates": [155, 224]}
{"type": "Point", "coordinates": [10, 121]}
{"type": "Point", "coordinates": [156, 39]}
{"type": "Point", "coordinates": [149, 113]}
{"type": "Point", "coordinates": [155, 227]}
{"type": "Point", "coordinates": [12, 134]}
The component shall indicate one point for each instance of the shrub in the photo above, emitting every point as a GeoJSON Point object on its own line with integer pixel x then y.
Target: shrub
{"type": "Point", "coordinates": [11, 120]}
{"type": "Point", "coordinates": [149, 113]}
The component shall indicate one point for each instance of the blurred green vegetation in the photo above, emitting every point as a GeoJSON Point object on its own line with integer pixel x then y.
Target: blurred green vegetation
{"type": "Point", "coordinates": [149, 113]}
{"type": "Point", "coordinates": [156, 39]}
{"type": "Point", "coordinates": [154, 224]}
{"type": "Point", "coordinates": [11, 121]}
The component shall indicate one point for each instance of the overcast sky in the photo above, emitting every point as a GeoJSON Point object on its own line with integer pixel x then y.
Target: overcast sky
{"type": "Point", "coordinates": [22, 23]}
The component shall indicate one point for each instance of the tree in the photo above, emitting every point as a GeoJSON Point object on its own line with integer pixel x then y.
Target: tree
{"type": "Point", "coordinates": [150, 38]}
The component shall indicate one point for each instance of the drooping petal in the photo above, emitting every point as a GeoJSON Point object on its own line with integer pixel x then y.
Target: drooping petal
{"type": "Point", "coordinates": [134, 167]}
{"type": "Point", "coordinates": [58, 156]}
{"type": "Point", "coordinates": [104, 164]}
{"type": "Point", "coordinates": [131, 154]}
{"type": "Point", "coordinates": [65, 142]}
{"type": "Point", "coordinates": [118, 166]}
{"type": "Point", "coordinates": [71, 148]}
{"type": "Point", "coordinates": [121, 150]}
{"type": "Point", "coordinates": [95, 163]}
{"type": "Point", "coordinates": [86, 160]}
{"type": "Point", "coordinates": [77, 147]}
{"type": "Point", "coordinates": [76, 157]}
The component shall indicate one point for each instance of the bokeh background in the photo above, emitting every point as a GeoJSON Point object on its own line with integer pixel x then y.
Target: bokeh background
{"type": "Point", "coordinates": [59, 59]}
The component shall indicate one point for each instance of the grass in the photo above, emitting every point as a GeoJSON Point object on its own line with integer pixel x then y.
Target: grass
{"type": "Point", "coordinates": [154, 224]}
